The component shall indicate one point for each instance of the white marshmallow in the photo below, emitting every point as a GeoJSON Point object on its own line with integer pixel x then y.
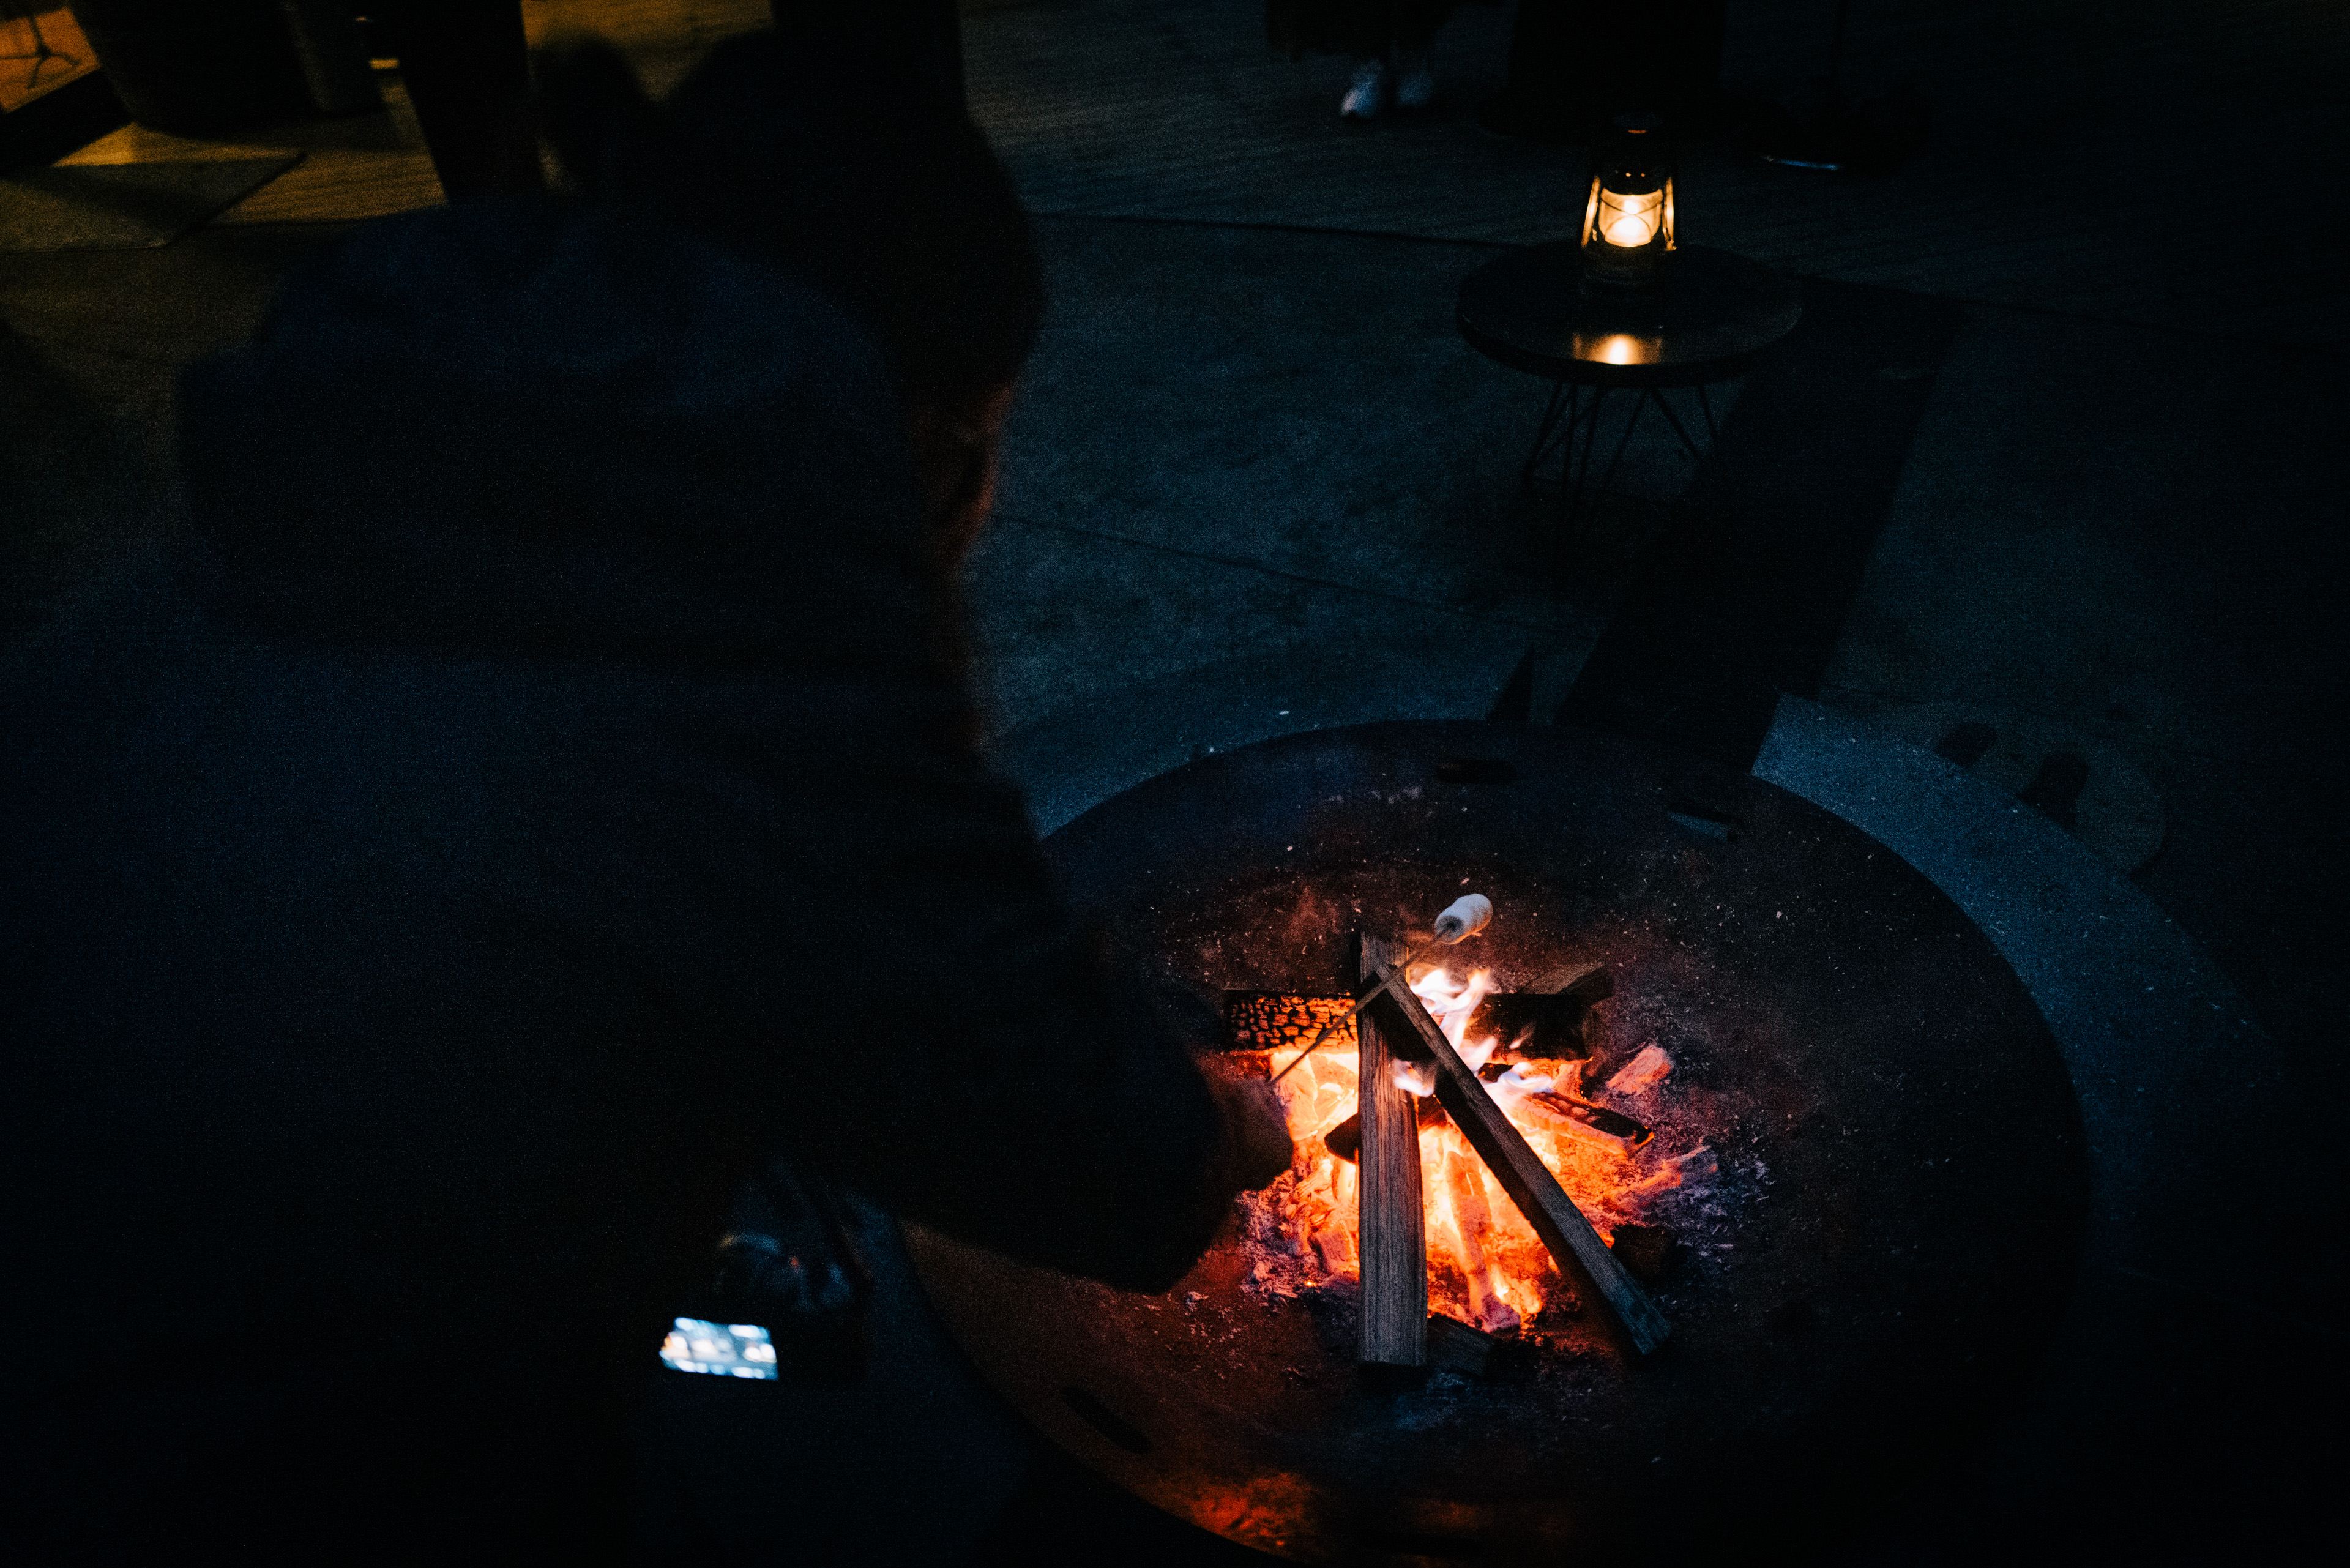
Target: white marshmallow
{"type": "Point", "coordinates": [1468, 914]}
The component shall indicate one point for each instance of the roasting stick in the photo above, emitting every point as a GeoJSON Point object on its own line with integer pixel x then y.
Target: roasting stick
{"type": "Point", "coordinates": [1522, 1175]}
{"type": "Point", "coordinates": [1464, 919]}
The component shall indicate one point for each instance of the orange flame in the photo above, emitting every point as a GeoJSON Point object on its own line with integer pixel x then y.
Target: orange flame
{"type": "Point", "coordinates": [1486, 1264]}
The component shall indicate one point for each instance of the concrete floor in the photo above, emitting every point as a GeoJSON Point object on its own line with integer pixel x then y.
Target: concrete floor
{"type": "Point", "coordinates": [1257, 483]}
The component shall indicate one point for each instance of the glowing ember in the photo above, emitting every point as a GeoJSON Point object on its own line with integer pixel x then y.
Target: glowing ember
{"type": "Point", "coordinates": [1642, 1073]}
{"type": "Point", "coordinates": [1264, 1020]}
{"type": "Point", "coordinates": [1486, 1265]}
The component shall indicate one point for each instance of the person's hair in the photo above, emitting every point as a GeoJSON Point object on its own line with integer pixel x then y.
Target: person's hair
{"type": "Point", "coordinates": [828, 159]}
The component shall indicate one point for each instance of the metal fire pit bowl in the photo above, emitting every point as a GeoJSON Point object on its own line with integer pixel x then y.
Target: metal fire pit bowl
{"type": "Point", "coordinates": [1895, 1229]}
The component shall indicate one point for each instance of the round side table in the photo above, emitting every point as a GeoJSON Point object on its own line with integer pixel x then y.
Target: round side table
{"type": "Point", "coordinates": [1714, 318]}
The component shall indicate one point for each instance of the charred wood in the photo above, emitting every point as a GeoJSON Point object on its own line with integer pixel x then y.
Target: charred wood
{"type": "Point", "coordinates": [1551, 1017]}
{"type": "Point", "coordinates": [1464, 1348]}
{"type": "Point", "coordinates": [1346, 1139]}
{"type": "Point", "coordinates": [1586, 983]}
{"type": "Point", "coordinates": [1651, 1253]}
{"type": "Point", "coordinates": [1529, 1025]}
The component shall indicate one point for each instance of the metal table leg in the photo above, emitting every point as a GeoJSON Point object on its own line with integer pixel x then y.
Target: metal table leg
{"type": "Point", "coordinates": [1569, 429]}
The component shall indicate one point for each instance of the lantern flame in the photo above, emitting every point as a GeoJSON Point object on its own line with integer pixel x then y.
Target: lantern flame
{"type": "Point", "coordinates": [1619, 347]}
{"type": "Point", "coordinates": [1631, 221]}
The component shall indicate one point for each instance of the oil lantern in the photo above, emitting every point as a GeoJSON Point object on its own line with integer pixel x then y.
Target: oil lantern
{"type": "Point", "coordinates": [1628, 222]}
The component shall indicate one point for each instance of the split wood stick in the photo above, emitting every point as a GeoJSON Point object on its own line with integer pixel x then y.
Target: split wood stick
{"type": "Point", "coordinates": [1522, 1175]}
{"type": "Point", "coordinates": [1394, 1242]}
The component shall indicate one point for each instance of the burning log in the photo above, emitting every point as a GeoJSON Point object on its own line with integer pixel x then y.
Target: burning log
{"type": "Point", "coordinates": [1336, 1241]}
{"type": "Point", "coordinates": [1394, 1243]}
{"type": "Point", "coordinates": [1531, 1186]}
{"type": "Point", "coordinates": [1591, 1124]}
{"type": "Point", "coordinates": [1551, 1018]}
{"type": "Point", "coordinates": [1471, 1222]}
{"type": "Point", "coordinates": [1461, 1347]}
{"type": "Point", "coordinates": [1593, 983]}
{"type": "Point", "coordinates": [1277, 1021]}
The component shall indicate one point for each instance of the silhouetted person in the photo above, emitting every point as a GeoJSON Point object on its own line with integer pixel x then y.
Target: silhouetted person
{"type": "Point", "coordinates": [465, 67]}
{"type": "Point", "coordinates": [539, 796]}
{"type": "Point", "coordinates": [1387, 41]}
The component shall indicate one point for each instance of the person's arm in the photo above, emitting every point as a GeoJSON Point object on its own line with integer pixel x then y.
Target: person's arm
{"type": "Point", "coordinates": [1007, 1079]}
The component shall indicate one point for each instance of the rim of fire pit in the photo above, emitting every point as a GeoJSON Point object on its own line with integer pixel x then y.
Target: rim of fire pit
{"type": "Point", "coordinates": [1886, 1065]}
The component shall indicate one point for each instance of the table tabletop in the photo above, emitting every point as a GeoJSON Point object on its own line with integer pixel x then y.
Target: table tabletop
{"type": "Point", "coordinates": [1713, 317]}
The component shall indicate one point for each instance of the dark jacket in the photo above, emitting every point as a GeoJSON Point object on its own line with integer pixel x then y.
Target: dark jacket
{"type": "Point", "coordinates": [544, 783]}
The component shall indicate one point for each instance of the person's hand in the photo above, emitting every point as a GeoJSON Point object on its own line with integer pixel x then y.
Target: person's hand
{"type": "Point", "coordinates": [1257, 1125]}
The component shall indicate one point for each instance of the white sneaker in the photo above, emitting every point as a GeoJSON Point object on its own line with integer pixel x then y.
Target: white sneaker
{"type": "Point", "coordinates": [1363, 99]}
{"type": "Point", "coordinates": [1417, 86]}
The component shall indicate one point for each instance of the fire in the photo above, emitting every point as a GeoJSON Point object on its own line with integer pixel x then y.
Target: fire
{"type": "Point", "coordinates": [1630, 219]}
{"type": "Point", "coordinates": [1486, 1264]}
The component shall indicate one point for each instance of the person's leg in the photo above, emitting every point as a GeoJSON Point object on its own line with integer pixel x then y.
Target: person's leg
{"type": "Point", "coordinates": [466, 66]}
{"type": "Point", "coordinates": [1359, 29]}
{"type": "Point", "coordinates": [1415, 86]}
{"type": "Point", "coordinates": [1416, 25]}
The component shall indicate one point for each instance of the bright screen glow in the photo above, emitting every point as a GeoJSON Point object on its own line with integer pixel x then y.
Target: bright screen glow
{"type": "Point", "coordinates": [722, 1349]}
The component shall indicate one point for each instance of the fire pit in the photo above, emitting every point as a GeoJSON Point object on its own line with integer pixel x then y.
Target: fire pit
{"type": "Point", "coordinates": [1856, 1192]}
